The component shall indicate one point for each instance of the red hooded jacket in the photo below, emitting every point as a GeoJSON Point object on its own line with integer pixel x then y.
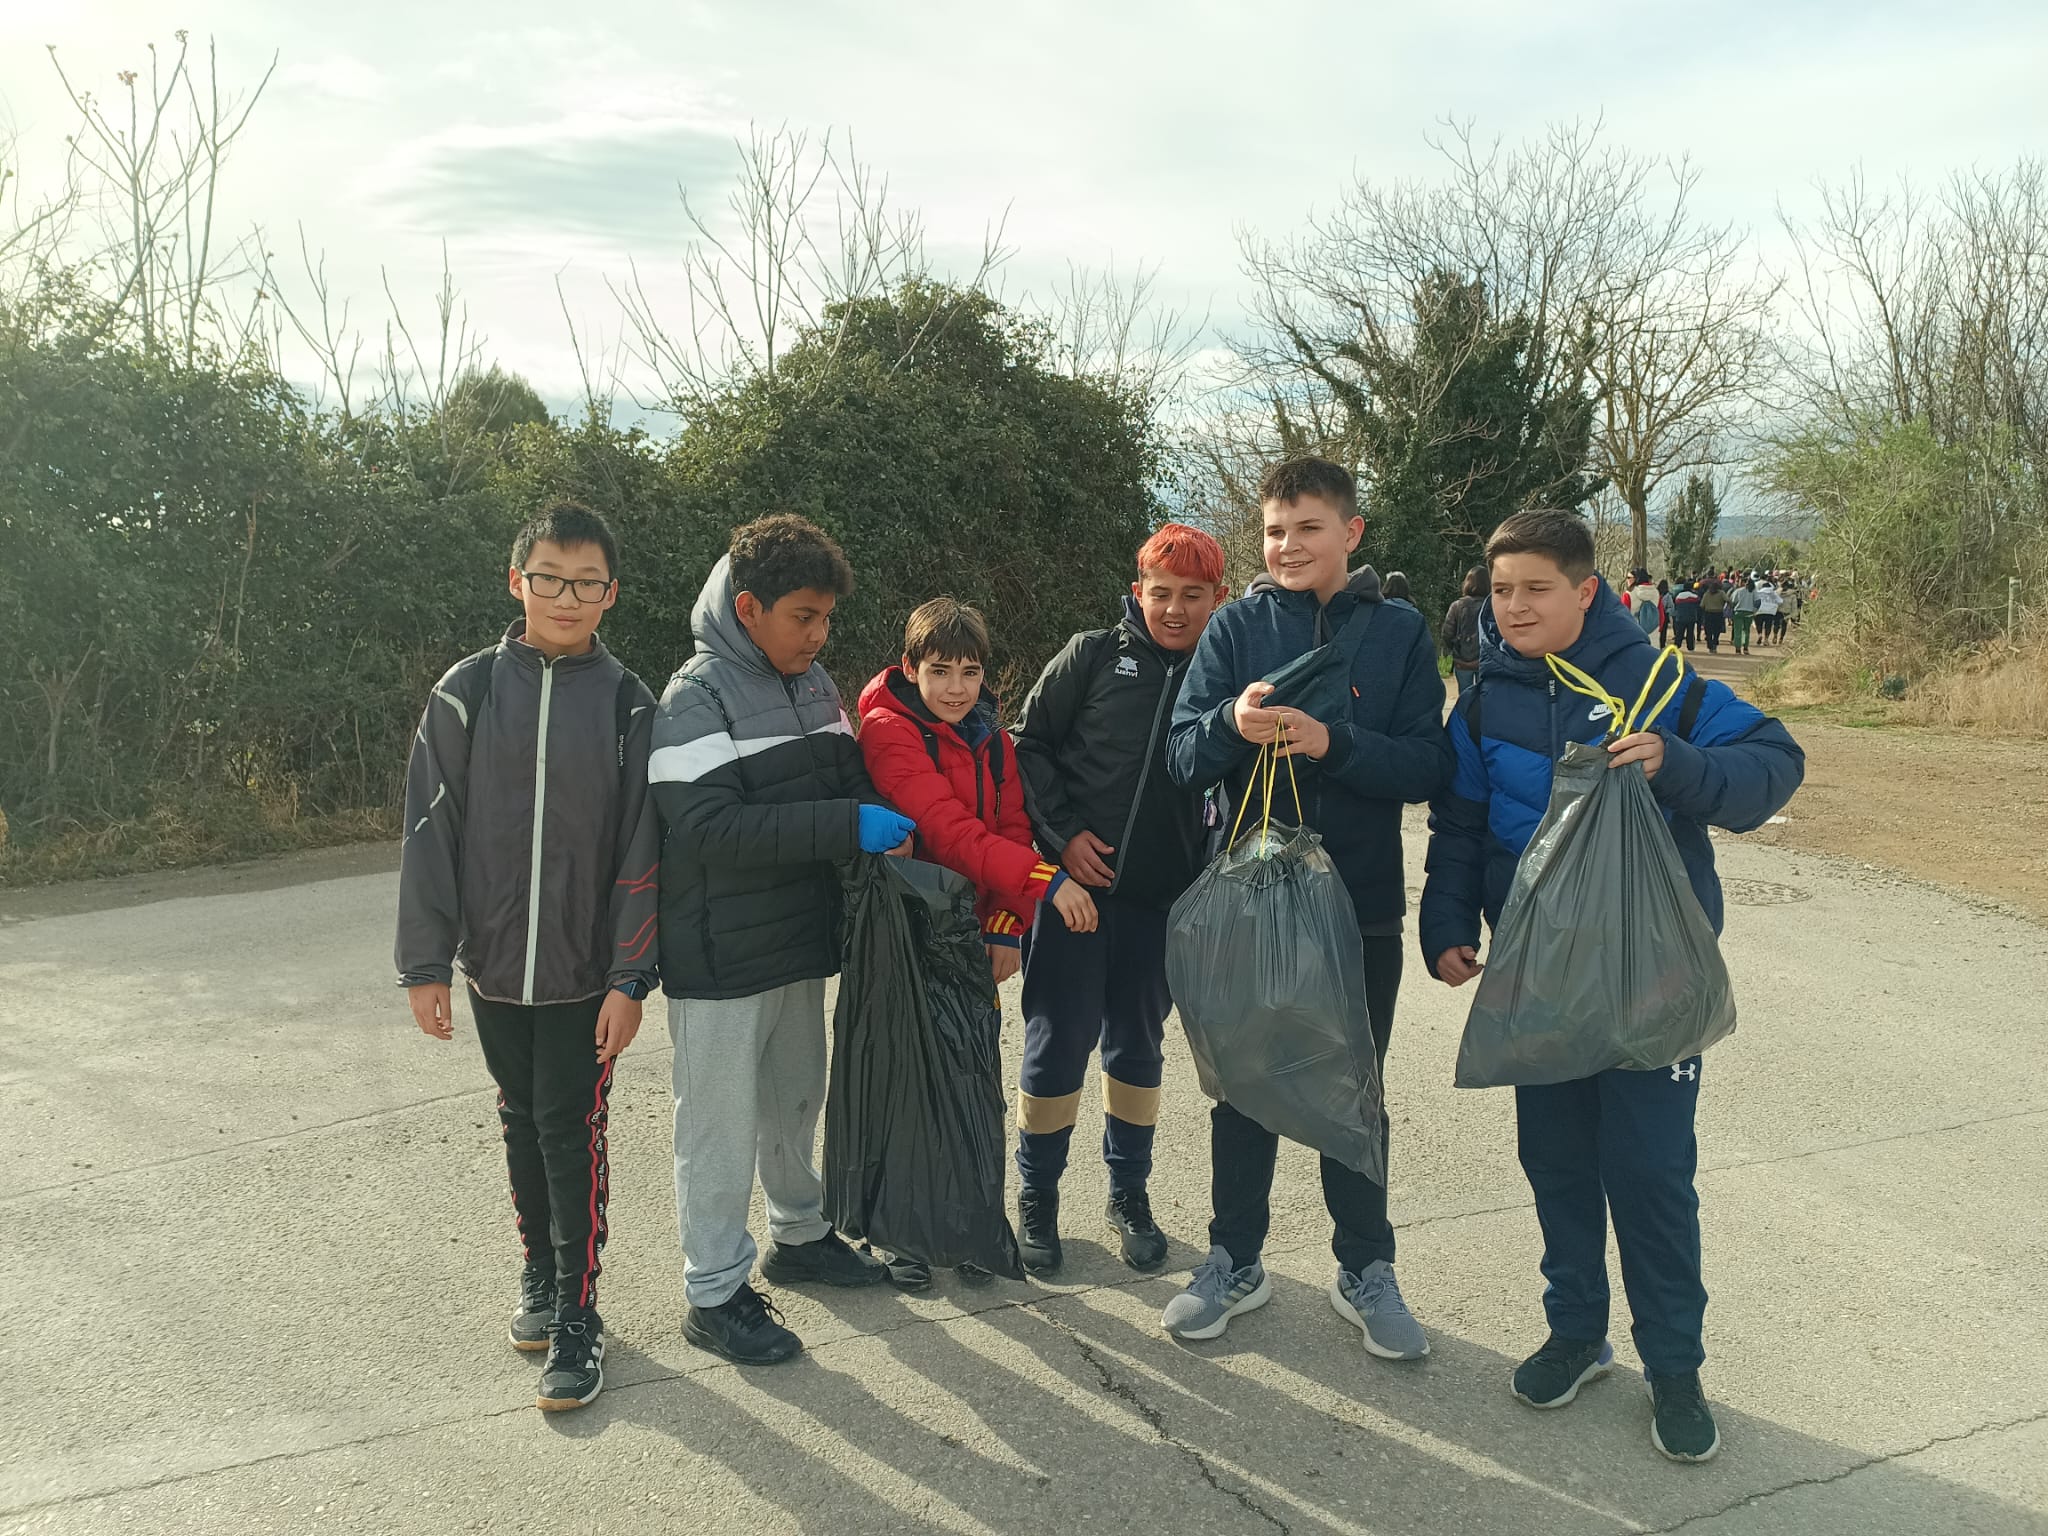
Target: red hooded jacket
{"type": "Point", "coordinates": [962, 787]}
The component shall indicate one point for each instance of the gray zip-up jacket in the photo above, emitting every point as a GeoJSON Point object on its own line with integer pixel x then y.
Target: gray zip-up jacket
{"type": "Point", "coordinates": [531, 843]}
{"type": "Point", "coordinates": [759, 782]}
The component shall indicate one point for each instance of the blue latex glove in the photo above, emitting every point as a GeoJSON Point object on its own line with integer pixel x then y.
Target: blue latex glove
{"type": "Point", "coordinates": [882, 829]}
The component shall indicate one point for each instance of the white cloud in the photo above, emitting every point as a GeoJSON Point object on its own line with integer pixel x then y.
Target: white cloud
{"type": "Point", "coordinates": [342, 76]}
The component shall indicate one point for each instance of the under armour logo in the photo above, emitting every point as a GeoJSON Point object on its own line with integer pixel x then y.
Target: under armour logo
{"type": "Point", "coordinates": [1686, 1072]}
{"type": "Point", "coordinates": [1600, 712]}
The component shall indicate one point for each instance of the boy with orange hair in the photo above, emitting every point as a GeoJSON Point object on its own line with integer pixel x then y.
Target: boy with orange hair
{"type": "Point", "coordinates": [1092, 748]}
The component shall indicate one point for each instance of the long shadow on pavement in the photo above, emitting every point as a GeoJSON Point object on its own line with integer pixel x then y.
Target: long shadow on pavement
{"type": "Point", "coordinates": [1067, 1410]}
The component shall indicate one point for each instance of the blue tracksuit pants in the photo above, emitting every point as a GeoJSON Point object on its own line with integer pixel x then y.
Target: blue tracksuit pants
{"type": "Point", "coordinates": [1621, 1142]}
{"type": "Point", "coordinates": [1081, 990]}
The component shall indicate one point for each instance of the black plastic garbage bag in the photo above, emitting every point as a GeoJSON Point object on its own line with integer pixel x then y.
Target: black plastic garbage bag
{"type": "Point", "coordinates": [1267, 972]}
{"type": "Point", "coordinates": [1603, 957]}
{"type": "Point", "coordinates": [914, 1138]}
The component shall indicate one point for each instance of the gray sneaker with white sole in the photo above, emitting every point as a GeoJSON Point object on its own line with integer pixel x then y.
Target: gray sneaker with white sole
{"type": "Point", "coordinates": [1217, 1291]}
{"type": "Point", "coordinates": [1372, 1300]}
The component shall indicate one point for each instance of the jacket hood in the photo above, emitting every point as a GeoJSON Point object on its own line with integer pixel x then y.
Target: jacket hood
{"type": "Point", "coordinates": [715, 623]}
{"type": "Point", "coordinates": [1363, 583]}
{"type": "Point", "coordinates": [891, 691]}
{"type": "Point", "coordinates": [1608, 631]}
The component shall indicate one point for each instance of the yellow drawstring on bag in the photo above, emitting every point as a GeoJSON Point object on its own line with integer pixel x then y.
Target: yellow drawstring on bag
{"type": "Point", "coordinates": [1627, 719]}
{"type": "Point", "coordinates": [1265, 774]}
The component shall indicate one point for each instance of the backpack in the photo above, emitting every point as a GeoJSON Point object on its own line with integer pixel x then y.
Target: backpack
{"type": "Point", "coordinates": [470, 683]}
{"type": "Point", "coordinates": [1464, 630]}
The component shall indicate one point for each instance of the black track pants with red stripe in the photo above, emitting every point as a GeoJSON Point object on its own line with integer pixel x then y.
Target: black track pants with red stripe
{"type": "Point", "coordinates": [553, 1098]}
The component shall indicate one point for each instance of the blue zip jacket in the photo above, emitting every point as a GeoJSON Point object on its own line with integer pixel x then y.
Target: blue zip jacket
{"type": "Point", "coordinates": [1390, 751]}
{"type": "Point", "coordinates": [1735, 769]}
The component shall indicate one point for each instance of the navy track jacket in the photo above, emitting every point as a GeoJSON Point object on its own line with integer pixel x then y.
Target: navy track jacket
{"type": "Point", "coordinates": [1735, 769]}
{"type": "Point", "coordinates": [1390, 751]}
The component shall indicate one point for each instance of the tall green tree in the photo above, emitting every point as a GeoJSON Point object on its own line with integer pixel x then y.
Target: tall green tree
{"type": "Point", "coordinates": [1691, 524]}
{"type": "Point", "coordinates": [1453, 429]}
{"type": "Point", "coordinates": [929, 430]}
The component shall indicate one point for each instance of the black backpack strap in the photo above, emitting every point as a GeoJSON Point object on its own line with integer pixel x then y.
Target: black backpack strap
{"type": "Point", "coordinates": [1472, 696]}
{"type": "Point", "coordinates": [1689, 709]}
{"type": "Point", "coordinates": [469, 685]}
{"type": "Point", "coordinates": [1351, 634]}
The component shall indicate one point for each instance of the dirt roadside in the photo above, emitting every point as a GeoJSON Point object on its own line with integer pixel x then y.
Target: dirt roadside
{"type": "Point", "coordinates": [1966, 812]}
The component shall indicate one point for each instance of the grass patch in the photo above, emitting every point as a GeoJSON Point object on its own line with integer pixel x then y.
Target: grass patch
{"type": "Point", "coordinates": [1999, 691]}
{"type": "Point", "coordinates": [205, 829]}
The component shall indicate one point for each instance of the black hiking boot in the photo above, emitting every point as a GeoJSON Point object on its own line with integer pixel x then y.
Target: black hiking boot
{"type": "Point", "coordinates": [1130, 1213]}
{"type": "Point", "coordinates": [1683, 1427]}
{"type": "Point", "coordinates": [1038, 1228]}
{"type": "Point", "coordinates": [574, 1373]}
{"type": "Point", "coordinates": [828, 1261]}
{"type": "Point", "coordinates": [746, 1328]}
{"type": "Point", "coordinates": [536, 1309]}
{"type": "Point", "coordinates": [1552, 1376]}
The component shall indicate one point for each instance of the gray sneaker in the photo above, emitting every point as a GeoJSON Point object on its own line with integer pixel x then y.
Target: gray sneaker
{"type": "Point", "coordinates": [1216, 1293]}
{"type": "Point", "coordinates": [1373, 1301]}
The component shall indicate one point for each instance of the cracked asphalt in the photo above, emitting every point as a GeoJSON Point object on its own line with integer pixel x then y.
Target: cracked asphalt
{"type": "Point", "coordinates": [262, 1258]}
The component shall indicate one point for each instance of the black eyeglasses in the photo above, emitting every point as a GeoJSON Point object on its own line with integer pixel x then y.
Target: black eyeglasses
{"type": "Point", "coordinates": [588, 590]}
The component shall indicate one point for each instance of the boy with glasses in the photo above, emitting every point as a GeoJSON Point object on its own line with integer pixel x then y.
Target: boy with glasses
{"type": "Point", "coordinates": [530, 861]}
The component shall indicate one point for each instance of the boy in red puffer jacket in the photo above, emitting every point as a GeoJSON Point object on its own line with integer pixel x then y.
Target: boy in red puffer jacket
{"type": "Point", "coordinates": [936, 750]}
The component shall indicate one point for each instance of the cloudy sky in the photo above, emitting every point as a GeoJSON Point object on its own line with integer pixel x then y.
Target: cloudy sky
{"type": "Point", "coordinates": [536, 139]}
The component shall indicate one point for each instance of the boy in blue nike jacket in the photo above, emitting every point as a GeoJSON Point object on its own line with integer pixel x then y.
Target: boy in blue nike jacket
{"type": "Point", "coordinates": [1621, 1141]}
{"type": "Point", "coordinates": [1354, 775]}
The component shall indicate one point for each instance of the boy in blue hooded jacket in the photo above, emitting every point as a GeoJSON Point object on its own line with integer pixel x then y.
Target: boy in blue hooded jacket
{"type": "Point", "coordinates": [1354, 775]}
{"type": "Point", "coordinates": [1621, 1141]}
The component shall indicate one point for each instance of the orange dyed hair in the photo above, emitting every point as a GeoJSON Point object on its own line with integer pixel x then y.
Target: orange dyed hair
{"type": "Point", "coordinates": [1181, 551]}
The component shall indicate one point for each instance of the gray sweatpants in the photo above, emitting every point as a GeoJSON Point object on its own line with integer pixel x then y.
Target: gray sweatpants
{"type": "Point", "coordinates": [749, 1080]}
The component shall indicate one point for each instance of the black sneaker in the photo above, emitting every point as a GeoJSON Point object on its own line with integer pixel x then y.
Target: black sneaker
{"type": "Point", "coordinates": [746, 1328]}
{"type": "Point", "coordinates": [1683, 1427]}
{"type": "Point", "coordinates": [974, 1275]}
{"type": "Point", "coordinates": [574, 1373]}
{"type": "Point", "coordinates": [536, 1309]}
{"type": "Point", "coordinates": [1552, 1376]}
{"type": "Point", "coordinates": [828, 1261]}
{"type": "Point", "coordinates": [1038, 1228]}
{"type": "Point", "coordinates": [1130, 1213]}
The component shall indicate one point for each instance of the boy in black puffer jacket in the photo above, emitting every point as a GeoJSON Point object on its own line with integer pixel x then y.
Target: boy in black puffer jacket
{"type": "Point", "coordinates": [1093, 751]}
{"type": "Point", "coordinates": [762, 793]}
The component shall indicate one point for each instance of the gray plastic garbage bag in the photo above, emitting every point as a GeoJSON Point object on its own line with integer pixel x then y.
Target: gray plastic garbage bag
{"type": "Point", "coordinates": [1603, 957]}
{"type": "Point", "coordinates": [1266, 969]}
{"type": "Point", "coordinates": [914, 1134]}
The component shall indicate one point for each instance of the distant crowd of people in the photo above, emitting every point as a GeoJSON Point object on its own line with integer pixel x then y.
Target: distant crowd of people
{"type": "Point", "coordinates": [1742, 606]}
{"type": "Point", "coordinates": [1747, 606]}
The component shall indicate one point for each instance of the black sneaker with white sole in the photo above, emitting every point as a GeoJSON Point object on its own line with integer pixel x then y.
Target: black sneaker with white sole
{"type": "Point", "coordinates": [536, 1310]}
{"type": "Point", "coordinates": [1683, 1428]}
{"type": "Point", "coordinates": [746, 1328]}
{"type": "Point", "coordinates": [1552, 1376]}
{"type": "Point", "coordinates": [574, 1372]}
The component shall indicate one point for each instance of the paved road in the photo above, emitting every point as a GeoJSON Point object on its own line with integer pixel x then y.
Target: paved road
{"type": "Point", "coordinates": [260, 1252]}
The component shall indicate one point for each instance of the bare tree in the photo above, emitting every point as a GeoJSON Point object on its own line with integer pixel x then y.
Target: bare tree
{"type": "Point", "coordinates": [155, 179]}
{"type": "Point", "coordinates": [773, 269]}
{"type": "Point", "coordinates": [1594, 248]}
{"type": "Point", "coordinates": [1931, 308]}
